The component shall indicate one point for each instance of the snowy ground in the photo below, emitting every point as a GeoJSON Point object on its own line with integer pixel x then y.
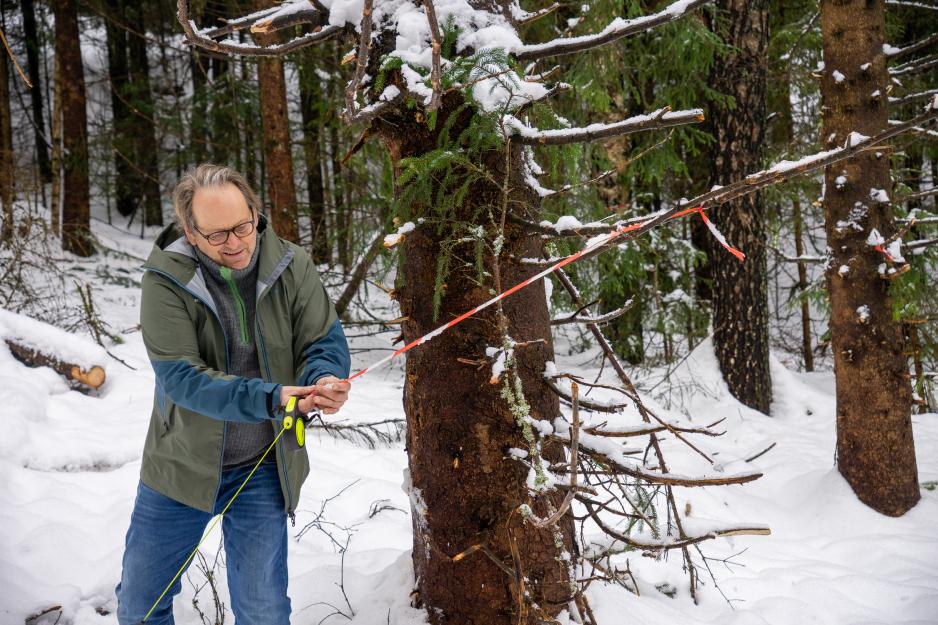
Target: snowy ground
{"type": "Point", "coordinates": [69, 466]}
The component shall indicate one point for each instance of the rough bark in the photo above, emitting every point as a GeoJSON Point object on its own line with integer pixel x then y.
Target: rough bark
{"type": "Point", "coordinates": [277, 141]}
{"type": "Point", "coordinates": [33, 48]}
{"type": "Point", "coordinates": [738, 296]}
{"type": "Point", "coordinates": [875, 449]}
{"type": "Point", "coordinates": [76, 228]}
{"type": "Point", "coordinates": [464, 490]}
{"type": "Point", "coordinates": [6, 152]}
{"type": "Point", "coordinates": [146, 146]}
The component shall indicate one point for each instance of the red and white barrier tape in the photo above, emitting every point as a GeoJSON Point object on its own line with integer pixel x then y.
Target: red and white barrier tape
{"type": "Point", "coordinates": [597, 242]}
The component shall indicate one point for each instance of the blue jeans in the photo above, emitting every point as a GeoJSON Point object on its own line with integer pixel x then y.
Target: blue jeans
{"type": "Point", "coordinates": [163, 532]}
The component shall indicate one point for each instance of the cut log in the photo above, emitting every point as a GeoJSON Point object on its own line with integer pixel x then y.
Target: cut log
{"type": "Point", "coordinates": [32, 357]}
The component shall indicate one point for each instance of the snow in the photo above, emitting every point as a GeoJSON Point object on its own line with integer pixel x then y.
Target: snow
{"type": "Point", "coordinates": [863, 313]}
{"type": "Point", "coordinates": [838, 77]}
{"type": "Point", "coordinates": [394, 238]}
{"type": "Point", "coordinates": [879, 195]}
{"type": "Point", "coordinates": [70, 464]}
{"type": "Point", "coordinates": [51, 340]}
{"type": "Point", "coordinates": [840, 181]}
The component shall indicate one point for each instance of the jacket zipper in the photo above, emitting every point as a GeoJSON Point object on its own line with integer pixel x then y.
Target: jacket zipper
{"type": "Point", "coordinates": [239, 304]}
{"type": "Point", "coordinates": [224, 431]}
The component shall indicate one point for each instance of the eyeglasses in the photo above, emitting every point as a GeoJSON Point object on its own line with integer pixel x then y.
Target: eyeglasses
{"type": "Point", "coordinates": [220, 237]}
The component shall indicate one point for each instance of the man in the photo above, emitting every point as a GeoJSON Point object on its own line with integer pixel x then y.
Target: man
{"type": "Point", "coordinates": [232, 317]}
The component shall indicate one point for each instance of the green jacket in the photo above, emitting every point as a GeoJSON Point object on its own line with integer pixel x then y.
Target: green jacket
{"type": "Point", "coordinates": [299, 340]}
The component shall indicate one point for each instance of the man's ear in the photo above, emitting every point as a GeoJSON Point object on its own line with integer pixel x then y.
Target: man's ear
{"type": "Point", "coordinates": [190, 238]}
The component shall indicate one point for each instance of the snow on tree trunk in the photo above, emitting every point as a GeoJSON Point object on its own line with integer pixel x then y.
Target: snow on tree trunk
{"type": "Point", "coordinates": [875, 450]}
{"type": "Point", "coordinates": [76, 232]}
{"type": "Point", "coordinates": [738, 292]}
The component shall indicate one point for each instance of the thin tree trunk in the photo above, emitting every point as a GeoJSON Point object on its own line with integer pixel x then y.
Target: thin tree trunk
{"type": "Point", "coordinates": [6, 151]}
{"type": "Point", "coordinates": [126, 187]}
{"type": "Point", "coordinates": [311, 94]}
{"type": "Point", "coordinates": [875, 449]}
{"type": "Point", "coordinates": [56, 129]}
{"type": "Point", "coordinates": [739, 290]}
{"type": "Point", "coordinates": [146, 146]}
{"type": "Point", "coordinates": [76, 226]}
{"type": "Point", "coordinates": [806, 343]}
{"type": "Point", "coordinates": [277, 141]}
{"type": "Point", "coordinates": [249, 120]}
{"type": "Point", "coordinates": [33, 48]}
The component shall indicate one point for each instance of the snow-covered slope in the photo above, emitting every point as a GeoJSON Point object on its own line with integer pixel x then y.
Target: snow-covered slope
{"type": "Point", "coordinates": [69, 465]}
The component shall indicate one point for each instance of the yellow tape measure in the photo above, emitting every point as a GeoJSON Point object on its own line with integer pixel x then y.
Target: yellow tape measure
{"type": "Point", "coordinates": [293, 422]}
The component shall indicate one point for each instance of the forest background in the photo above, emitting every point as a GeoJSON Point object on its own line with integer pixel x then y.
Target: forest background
{"type": "Point", "coordinates": [105, 103]}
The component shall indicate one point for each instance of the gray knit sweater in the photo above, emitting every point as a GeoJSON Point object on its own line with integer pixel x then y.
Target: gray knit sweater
{"type": "Point", "coordinates": [234, 292]}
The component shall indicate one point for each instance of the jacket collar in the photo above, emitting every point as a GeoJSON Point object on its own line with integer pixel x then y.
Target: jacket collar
{"type": "Point", "coordinates": [173, 256]}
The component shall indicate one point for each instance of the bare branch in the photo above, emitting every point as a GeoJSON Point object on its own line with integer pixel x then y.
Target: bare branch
{"type": "Point", "coordinates": [915, 67]}
{"type": "Point", "coordinates": [671, 544]}
{"type": "Point", "coordinates": [283, 19]}
{"type": "Point", "coordinates": [536, 15]}
{"type": "Point", "coordinates": [780, 172]}
{"type": "Point", "coordinates": [436, 47]}
{"type": "Point", "coordinates": [201, 40]}
{"type": "Point", "coordinates": [589, 405]}
{"type": "Point", "coordinates": [240, 23]}
{"type": "Point", "coordinates": [895, 53]}
{"type": "Point", "coordinates": [617, 29]}
{"type": "Point", "coordinates": [662, 118]}
{"type": "Point", "coordinates": [916, 5]}
{"type": "Point", "coordinates": [606, 318]}
{"type": "Point", "coordinates": [913, 97]}
{"type": "Point", "coordinates": [364, 49]}
{"type": "Point", "coordinates": [914, 245]}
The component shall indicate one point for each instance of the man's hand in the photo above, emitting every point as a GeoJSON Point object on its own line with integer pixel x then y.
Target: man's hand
{"type": "Point", "coordinates": [328, 395]}
{"type": "Point", "coordinates": [286, 392]}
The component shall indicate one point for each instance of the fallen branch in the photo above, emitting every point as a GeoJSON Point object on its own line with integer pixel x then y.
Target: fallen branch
{"type": "Point", "coordinates": [93, 377]}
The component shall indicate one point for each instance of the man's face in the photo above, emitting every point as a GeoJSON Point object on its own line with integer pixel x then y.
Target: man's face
{"type": "Point", "coordinates": [222, 208]}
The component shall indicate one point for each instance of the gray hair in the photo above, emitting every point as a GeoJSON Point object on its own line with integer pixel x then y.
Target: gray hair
{"type": "Point", "coordinates": [208, 175]}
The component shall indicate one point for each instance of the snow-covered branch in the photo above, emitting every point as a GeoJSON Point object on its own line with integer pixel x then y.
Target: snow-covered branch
{"type": "Point", "coordinates": [662, 118]}
{"type": "Point", "coordinates": [915, 67]}
{"type": "Point", "coordinates": [895, 53]}
{"type": "Point", "coordinates": [914, 97]}
{"type": "Point", "coordinates": [202, 39]}
{"type": "Point", "coordinates": [619, 28]}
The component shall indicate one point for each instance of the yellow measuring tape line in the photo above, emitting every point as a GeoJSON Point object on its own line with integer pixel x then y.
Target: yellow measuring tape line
{"type": "Point", "coordinates": [211, 527]}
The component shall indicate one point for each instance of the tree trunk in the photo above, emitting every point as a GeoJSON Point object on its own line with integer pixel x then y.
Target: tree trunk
{"type": "Point", "coordinates": [464, 491]}
{"type": "Point", "coordinates": [76, 226]}
{"type": "Point", "coordinates": [56, 130]}
{"type": "Point", "coordinates": [875, 450]}
{"type": "Point", "coordinates": [33, 48]}
{"type": "Point", "coordinates": [6, 152]}
{"type": "Point", "coordinates": [739, 298]}
{"type": "Point", "coordinates": [277, 141]}
{"type": "Point", "coordinates": [146, 146]}
{"type": "Point", "coordinates": [311, 94]}
{"type": "Point", "coordinates": [126, 188]}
